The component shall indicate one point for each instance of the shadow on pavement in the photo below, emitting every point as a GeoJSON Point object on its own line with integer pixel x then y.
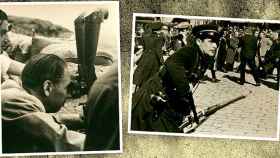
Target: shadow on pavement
{"type": "Point", "coordinates": [270, 84]}
{"type": "Point", "coordinates": [232, 78]}
{"type": "Point", "coordinates": [236, 79]}
{"type": "Point", "coordinates": [207, 78]}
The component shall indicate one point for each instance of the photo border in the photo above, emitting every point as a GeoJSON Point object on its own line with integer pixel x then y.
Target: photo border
{"type": "Point", "coordinates": [184, 134]}
{"type": "Point", "coordinates": [120, 150]}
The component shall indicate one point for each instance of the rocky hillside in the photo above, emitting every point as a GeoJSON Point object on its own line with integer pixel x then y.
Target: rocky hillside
{"type": "Point", "coordinates": [26, 26]}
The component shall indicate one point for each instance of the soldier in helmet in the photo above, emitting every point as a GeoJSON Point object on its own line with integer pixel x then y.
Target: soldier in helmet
{"type": "Point", "coordinates": [171, 87]}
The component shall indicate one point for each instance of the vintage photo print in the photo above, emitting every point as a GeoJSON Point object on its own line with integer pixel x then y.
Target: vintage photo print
{"type": "Point", "coordinates": [204, 77]}
{"type": "Point", "coordinates": [60, 78]}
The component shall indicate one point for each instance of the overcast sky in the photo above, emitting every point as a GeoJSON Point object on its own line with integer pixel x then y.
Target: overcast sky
{"type": "Point", "coordinates": [64, 14]}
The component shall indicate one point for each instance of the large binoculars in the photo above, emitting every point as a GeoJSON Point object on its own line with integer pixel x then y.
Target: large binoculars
{"type": "Point", "coordinates": [87, 28]}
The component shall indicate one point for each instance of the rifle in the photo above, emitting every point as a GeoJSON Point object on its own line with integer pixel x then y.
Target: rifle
{"type": "Point", "coordinates": [87, 28]}
{"type": "Point", "coordinates": [188, 123]}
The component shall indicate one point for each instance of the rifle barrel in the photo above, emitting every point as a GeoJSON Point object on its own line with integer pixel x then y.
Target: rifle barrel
{"type": "Point", "coordinates": [210, 110]}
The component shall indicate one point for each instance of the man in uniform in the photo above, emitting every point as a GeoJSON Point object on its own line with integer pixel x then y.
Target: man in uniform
{"type": "Point", "coordinates": [29, 119]}
{"type": "Point", "coordinates": [165, 112]}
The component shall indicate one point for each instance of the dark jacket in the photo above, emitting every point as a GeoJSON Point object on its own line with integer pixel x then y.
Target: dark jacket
{"type": "Point", "coordinates": [187, 65]}
{"type": "Point", "coordinates": [274, 52]}
{"type": "Point", "coordinates": [249, 46]}
{"type": "Point", "coordinates": [180, 68]}
{"type": "Point", "coordinates": [151, 59]}
{"type": "Point", "coordinates": [103, 113]}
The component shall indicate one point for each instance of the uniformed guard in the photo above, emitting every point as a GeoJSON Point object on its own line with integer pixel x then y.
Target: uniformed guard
{"type": "Point", "coordinates": [163, 101]}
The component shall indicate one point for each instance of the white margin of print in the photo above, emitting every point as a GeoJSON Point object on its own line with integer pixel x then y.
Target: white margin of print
{"type": "Point", "coordinates": [183, 134]}
{"type": "Point", "coordinates": [116, 4]}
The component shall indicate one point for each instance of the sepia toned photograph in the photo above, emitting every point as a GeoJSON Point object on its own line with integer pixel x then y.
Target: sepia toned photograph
{"type": "Point", "coordinates": [204, 77]}
{"type": "Point", "coordinates": [60, 78]}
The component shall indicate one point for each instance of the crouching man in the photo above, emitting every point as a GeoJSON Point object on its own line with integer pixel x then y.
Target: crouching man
{"type": "Point", "coordinates": [28, 120]}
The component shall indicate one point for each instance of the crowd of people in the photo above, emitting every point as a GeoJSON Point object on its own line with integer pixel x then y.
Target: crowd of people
{"type": "Point", "coordinates": [258, 44]}
{"type": "Point", "coordinates": [32, 93]}
{"type": "Point", "coordinates": [171, 58]}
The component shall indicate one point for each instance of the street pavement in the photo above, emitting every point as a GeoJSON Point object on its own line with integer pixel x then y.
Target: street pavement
{"type": "Point", "coordinates": [254, 117]}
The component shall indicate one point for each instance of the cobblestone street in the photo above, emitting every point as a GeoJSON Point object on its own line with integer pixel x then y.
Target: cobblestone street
{"type": "Point", "coordinates": [254, 117]}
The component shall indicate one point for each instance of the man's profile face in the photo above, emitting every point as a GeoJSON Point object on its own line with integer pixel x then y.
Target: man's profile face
{"type": "Point", "coordinates": [59, 92]}
{"type": "Point", "coordinates": [207, 46]}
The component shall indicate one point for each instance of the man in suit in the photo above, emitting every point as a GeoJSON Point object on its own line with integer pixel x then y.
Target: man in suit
{"type": "Point", "coordinates": [248, 44]}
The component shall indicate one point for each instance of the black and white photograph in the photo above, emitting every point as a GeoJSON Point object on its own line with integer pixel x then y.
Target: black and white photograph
{"type": "Point", "coordinates": [204, 77]}
{"type": "Point", "coordinates": [60, 78]}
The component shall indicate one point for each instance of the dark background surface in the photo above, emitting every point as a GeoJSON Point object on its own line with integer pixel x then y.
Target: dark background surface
{"type": "Point", "coordinates": [168, 146]}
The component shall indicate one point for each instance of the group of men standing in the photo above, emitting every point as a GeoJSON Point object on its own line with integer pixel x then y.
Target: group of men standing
{"type": "Point", "coordinates": [250, 47]}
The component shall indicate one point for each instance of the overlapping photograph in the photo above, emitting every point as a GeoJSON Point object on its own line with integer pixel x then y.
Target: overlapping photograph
{"type": "Point", "coordinates": [60, 78]}
{"type": "Point", "coordinates": [204, 77]}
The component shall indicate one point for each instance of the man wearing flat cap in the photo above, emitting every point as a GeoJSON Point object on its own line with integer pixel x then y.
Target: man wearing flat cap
{"type": "Point", "coordinates": [166, 98]}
